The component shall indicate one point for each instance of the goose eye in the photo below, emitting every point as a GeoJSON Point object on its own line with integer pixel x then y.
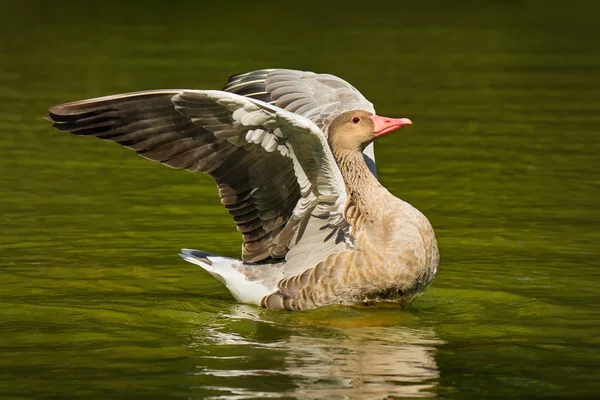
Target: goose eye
{"type": "Point", "coordinates": [355, 120]}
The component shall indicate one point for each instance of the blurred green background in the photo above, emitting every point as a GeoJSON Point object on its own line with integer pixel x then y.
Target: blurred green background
{"type": "Point", "coordinates": [502, 158]}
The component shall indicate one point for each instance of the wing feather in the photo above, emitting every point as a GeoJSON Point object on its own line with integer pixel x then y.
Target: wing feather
{"type": "Point", "coordinates": [317, 209]}
{"type": "Point", "coordinates": [318, 97]}
{"type": "Point", "coordinates": [274, 169]}
{"type": "Point", "coordinates": [149, 123]}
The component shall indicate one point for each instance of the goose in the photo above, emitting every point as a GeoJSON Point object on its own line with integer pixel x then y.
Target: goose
{"type": "Point", "coordinates": [291, 153]}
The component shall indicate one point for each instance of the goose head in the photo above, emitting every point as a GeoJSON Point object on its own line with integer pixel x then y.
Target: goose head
{"type": "Point", "coordinates": [355, 130]}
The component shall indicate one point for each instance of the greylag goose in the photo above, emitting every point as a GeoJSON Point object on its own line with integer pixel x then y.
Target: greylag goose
{"type": "Point", "coordinates": [286, 150]}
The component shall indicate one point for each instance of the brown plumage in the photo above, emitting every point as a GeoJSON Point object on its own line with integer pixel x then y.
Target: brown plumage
{"type": "Point", "coordinates": [395, 255]}
{"type": "Point", "coordinates": [292, 157]}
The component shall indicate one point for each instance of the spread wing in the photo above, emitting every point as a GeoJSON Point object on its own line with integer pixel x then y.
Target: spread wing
{"type": "Point", "coordinates": [273, 168]}
{"type": "Point", "coordinates": [318, 97]}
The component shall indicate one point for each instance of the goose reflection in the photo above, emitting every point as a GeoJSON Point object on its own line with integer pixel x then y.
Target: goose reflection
{"type": "Point", "coordinates": [349, 360]}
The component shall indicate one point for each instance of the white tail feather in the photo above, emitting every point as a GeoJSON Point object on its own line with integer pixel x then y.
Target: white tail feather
{"type": "Point", "coordinates": [223, 268]}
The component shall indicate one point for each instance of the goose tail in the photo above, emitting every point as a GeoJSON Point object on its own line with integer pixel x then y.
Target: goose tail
{"type": "Point", "coordinates": [229, 271]}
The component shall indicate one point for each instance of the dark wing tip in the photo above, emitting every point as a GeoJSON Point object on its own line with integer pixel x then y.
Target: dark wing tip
{"type": "Point", "coordinates": [250, 84]}
{"type": "Point", "coordinates": [255, 72]}
{"type": "Point", "coordinates": [55, 113]}
{"type": "Point", "coordinates": [55, 117]}
{"type": "Point", "coordinates": [62, 113]}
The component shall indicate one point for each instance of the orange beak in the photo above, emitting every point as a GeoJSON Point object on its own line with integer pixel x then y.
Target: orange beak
{"type": "Point", "coordinates": [385, 125]}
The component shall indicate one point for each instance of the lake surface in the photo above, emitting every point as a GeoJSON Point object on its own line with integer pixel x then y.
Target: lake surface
{"type": "Point", "coordinates": [503, 158]}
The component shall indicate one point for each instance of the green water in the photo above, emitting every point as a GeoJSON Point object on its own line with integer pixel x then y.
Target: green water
{"type": "Point", "coordinates": [502, 158]}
